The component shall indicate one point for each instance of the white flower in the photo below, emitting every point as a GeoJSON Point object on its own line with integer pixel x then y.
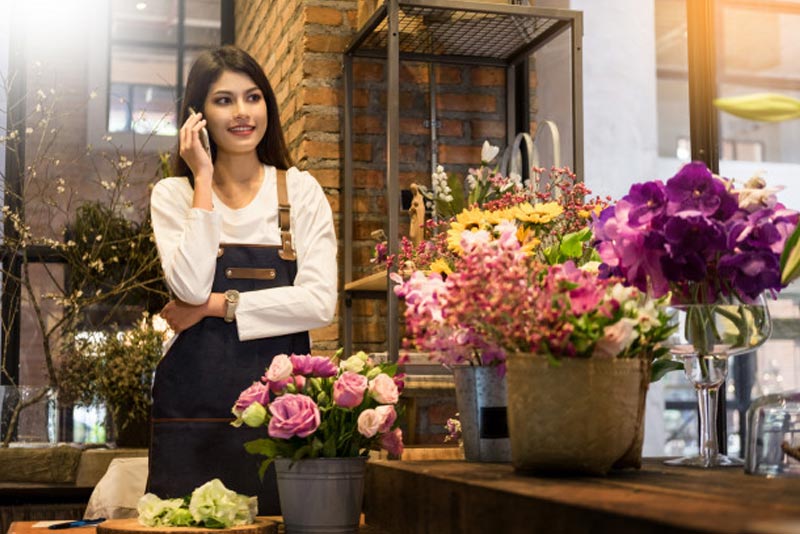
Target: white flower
{"type": "Point", "coordinates": [214, 505]}
{"type": "Point", "coordinates": [153, 511]}
{"type": "Point", "coordinates": [368, 422]}
{"type": "Point", "coordinates": [280, 369]}
{"type": "Point", "coordinates": [354, 364]}
{"type": "Point", "coordinates": [591, 267]}
{"type": "Point", "coordinates": [488, 152]}
{"type": "Point", "coordinates": [616, 338]}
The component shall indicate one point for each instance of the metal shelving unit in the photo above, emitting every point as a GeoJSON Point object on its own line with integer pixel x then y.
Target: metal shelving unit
{"type": "Point", "coordinates": [443, 32]}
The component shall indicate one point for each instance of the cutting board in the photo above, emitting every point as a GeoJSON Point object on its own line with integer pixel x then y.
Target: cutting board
{"type": "Point", "coordinates": [132, 526]}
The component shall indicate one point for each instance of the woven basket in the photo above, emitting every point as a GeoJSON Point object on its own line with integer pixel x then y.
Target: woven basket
{"type": "Point", "coordinates": [582, 416]}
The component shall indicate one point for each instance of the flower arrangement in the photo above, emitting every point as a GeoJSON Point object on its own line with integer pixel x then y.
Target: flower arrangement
{"type": "Point", "coordinates": [697, 237]}
{"type": "Point", "coordinates": [314, 408]}
{"type": "Point", "coordinates": [499, 299]}
{"type": "Point", "coordinates": [115, 368]}
{"type": "Point", "coordinates": [212, 505]}
{"type": "Point", "coordinates": [552, 224]}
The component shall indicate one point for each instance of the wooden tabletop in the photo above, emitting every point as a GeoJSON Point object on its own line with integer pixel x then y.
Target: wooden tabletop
{"type": "Point", "coordinates": [27, 527]}
{"type": "Point", "coordinates": [464, 497]}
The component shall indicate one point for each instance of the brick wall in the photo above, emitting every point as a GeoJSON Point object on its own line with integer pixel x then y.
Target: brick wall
{"type": "Point", "coordinates": [300, 43]}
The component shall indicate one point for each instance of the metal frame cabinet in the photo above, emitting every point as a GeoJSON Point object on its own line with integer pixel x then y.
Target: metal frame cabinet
{"type": "Point", "coordinates": [451, 32]}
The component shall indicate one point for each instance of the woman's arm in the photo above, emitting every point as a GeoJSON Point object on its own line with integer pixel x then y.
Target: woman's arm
{"type": "Point", "coordinates": [311, 301]}
{"type": "Point", "coordinates": [187, 240]}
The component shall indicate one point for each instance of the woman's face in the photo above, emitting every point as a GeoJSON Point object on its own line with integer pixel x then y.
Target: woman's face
{"type": "Point", "coordinates": [236, 113]}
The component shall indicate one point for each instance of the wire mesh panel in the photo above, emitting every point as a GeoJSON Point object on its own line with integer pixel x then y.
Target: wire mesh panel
{"type": "Point", "coordinates": [457, 32]}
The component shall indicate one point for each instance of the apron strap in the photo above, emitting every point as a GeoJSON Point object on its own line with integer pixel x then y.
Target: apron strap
{"type": "Point", "coordinates": [284, 209]}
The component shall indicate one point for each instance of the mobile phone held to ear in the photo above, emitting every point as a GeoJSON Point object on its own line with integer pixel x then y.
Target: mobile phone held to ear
{"type": "Point", "coordinates": [203, 135]}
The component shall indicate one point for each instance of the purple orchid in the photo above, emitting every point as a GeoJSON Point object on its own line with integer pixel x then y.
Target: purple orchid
{"type": "Point", "coordinates": [691, 236]}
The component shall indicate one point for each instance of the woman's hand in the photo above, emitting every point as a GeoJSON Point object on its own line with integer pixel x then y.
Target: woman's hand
{"type": "Point", "coordinates": [191, 148]}
{"type": "Point", "coordinates": [181, 316]}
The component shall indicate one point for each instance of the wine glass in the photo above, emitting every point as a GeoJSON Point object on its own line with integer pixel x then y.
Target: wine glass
{"type": "Point", "coordinates": [707, 335]}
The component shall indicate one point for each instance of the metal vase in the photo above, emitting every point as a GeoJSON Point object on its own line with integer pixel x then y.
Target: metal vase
{"type": "Point", "coordinates": [482, 399]}
{"type": "Point", "coordinates": [321, 494]}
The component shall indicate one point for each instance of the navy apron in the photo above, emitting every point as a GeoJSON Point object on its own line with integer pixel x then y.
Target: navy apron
{"type": "Point", "coordinates": [199, 379]}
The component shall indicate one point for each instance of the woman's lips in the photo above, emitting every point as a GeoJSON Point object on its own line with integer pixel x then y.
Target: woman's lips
{"type": "Point", "coordinates": [242, 130]}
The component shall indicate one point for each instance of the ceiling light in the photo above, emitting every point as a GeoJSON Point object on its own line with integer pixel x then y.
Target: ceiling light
{"type": "Point", "coordinates": [141, 6]}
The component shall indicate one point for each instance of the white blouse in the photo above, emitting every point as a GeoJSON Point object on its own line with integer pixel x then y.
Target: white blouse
{"type": "Point", "coordinates": [188, 239]}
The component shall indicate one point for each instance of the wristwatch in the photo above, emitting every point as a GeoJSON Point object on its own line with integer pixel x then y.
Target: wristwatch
{"type": "Point", "coordinates": [231, 301]}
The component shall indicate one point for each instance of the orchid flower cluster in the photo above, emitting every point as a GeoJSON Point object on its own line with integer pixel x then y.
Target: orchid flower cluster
{"type": "Point", "coordinates": [552, 221]}
{"type": "Point", "coordinates": [500, 300]}
{"type": "Point", "coordinates": [697, 237]}
{"type": "Point", "coordinates": [314, 408]}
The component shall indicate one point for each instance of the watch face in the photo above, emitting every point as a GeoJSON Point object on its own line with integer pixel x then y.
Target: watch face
{"type": "Point", "coordinates": [232, 295]}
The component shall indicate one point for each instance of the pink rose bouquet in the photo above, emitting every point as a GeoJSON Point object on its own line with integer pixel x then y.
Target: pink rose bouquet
{"type": "Point", "coordinates": [314, 406]}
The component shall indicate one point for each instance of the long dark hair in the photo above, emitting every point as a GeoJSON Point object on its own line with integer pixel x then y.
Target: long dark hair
{"type": "Point", "coordinates": [206, 70]}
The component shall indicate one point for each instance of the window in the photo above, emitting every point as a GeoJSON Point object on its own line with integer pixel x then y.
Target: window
{"type": "Point", "coordinates": [138, 78]}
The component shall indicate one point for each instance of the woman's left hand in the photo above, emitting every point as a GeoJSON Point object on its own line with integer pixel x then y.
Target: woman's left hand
{"type": "Point", "coordinates": [180, 316]}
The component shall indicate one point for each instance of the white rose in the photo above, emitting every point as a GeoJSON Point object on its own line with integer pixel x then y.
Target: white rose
{"type": "Point", "coordinates": [369, 421]}
{"type": "Point", "coordinates": [280, 369]}
{"type": "Point", "coordinates": [616, 338]}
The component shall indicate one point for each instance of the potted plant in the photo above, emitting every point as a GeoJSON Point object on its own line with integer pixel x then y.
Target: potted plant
{"type": "Point", "coordinates": [715, 250]}
{"type": "Point", "coordinates": [116, 368]}
{"type": "Point", "coordinates": [550, 216]}
{"type": "Point", "coordinates": [577, 347]}
{"type": "Point", "coordinates": [321, 420]}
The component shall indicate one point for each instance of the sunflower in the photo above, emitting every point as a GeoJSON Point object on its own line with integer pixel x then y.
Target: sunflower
{"type": "Point", "coordinates": [538, 213]}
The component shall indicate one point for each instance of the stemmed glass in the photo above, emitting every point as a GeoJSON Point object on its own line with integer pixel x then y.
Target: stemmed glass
{"type": "Point", "coordinates": [707, 335]}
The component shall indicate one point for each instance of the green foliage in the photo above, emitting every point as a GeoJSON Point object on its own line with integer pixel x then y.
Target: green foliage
{"type": "Point", "coordinates": [116, 368]}
{"type": "Point", "coordinates": [111, 255]}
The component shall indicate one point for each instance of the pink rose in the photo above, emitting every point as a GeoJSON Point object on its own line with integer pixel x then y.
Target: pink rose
{"type": "Point", "coordinates": [369, 421]}
{"type": "Point", "coordinates": [348, 390]}
{"type": "Point", "coordinates": [308, 365]}
{"type": "Point", "coordinates": [280, 368]}
{"type": "Point", "coordinates": [383, 389]}
{"type": "Point", "coordinates": [293, 415]}
{"type": "Point", "coordinates": [300, 381]}
{"type": "Point", "coordinates": [393, 442]}
{"type": "Point", "coordinates": [258, 392]}
{"type": "Point", "coordinates": [388, 417]}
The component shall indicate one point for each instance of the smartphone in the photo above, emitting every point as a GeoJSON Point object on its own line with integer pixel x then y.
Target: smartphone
{"type": "Point", "coordinates": [203, 135]}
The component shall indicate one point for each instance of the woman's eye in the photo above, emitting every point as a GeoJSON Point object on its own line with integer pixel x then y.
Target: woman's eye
{"type": "Point", "coordinates": [254, 97]}
{"type": "Point", "coordinates": [222, 100]}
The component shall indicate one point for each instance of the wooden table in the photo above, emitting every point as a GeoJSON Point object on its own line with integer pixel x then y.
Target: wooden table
{"type": "Point", "coordinates": [464, 497]}
{"type": "Point", "coordinates": [26, 527]}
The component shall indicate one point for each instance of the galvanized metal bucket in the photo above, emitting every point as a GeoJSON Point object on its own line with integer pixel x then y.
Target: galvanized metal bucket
{"type": "Point", "coordinates": [482, 400]}
{"type": "Point", "coordinates": [321, 494]}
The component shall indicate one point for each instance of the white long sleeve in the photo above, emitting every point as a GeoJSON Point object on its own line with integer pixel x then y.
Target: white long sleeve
{"type": "Point", "coordinates": [188, 239]}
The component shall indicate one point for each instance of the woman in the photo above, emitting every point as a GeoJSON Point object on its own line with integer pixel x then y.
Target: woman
{"type": "Point", "coordinates": [249, 278]}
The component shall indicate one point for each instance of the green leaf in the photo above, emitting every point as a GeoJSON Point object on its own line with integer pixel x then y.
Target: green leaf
{"type": "Point", "coordinates": [662, 367]}
{"type": "Point", "coordinates": [790, 258]}
{"type": "Point", "coordinates": [266, 447]}
{"type": "Point", "coordinates": [572, 243]}
{"type": "Point", "coordinates": [263, 468]}
{"type": "Point", "coordinates": [211, 522]}
{"type": "Point", "coordinates": [457, 191]}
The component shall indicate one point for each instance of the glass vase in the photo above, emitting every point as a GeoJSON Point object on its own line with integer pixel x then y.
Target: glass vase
{"type": "Point", "coordinates": [707, 335]}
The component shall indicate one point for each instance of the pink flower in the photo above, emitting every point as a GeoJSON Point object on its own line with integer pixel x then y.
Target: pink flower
{"type": "Point", "coordinates": [369, 421]}
{"type": "Point", "coordinates": [258, 392]}
{"type": "Point", "coordinates": [293, 415]}
{"type": "Point", "coordinates": [348, 390]}
{"type": "Point", "coordinates": [393, 442]}
{"type": "Point", "coordinates": [280, 369]}
{"type": "Point", "coordinates": [388, 417]}
{"type": "Point", "coordinates": [383, 389]}
{"type": "Point", "coordinates": [308, 365]}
